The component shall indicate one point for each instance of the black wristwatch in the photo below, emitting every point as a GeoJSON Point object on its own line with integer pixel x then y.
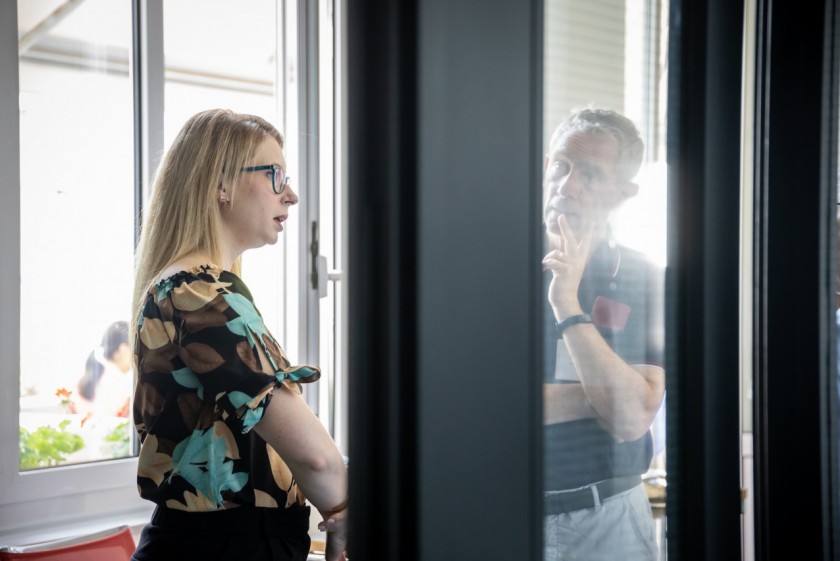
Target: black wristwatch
{"type": "Point", "coordinates": [570, 321]}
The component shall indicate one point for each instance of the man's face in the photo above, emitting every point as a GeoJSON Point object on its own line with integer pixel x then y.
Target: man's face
{"type": "Point", "coordinates": [581, 182]}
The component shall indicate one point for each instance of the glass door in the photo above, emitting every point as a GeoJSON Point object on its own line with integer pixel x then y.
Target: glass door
{"type": "Point", "coordinates": [604, 183]}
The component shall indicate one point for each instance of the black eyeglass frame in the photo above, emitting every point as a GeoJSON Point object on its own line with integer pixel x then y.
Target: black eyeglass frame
{"type": "Point", "coordinates": [282, 181]}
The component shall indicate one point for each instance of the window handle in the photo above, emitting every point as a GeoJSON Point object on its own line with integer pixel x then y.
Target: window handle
{"type": "Point", "coordinates": [323, 275]}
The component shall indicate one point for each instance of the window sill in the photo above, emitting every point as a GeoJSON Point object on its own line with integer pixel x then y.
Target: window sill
{"type": "Point", "coordinates": [52, 529]}
{"type": "Point", "coordinates": [135, 519]}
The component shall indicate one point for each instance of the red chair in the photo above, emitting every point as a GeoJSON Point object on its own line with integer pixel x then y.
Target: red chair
{"type": "Point", "coordinates": [115, 544]}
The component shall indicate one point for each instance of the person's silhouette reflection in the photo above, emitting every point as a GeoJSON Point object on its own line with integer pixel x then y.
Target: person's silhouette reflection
{"type": "Point", "coordinates": [605, 383]}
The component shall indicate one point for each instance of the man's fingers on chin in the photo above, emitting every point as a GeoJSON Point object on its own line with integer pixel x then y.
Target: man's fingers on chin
{"type": "Point", "coordinates": [553, 264]}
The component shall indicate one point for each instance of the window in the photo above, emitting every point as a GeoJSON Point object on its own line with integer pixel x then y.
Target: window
{"type": "Point", "coordinates": [69, 139]}
{"type": "Point", "coordinates": [76, 212]}
{"type": "Point", "coordinates": [612, 56]}
{"type": "Point", "coordinates": [235, 61]}
{"type": "Point", "coordinates": [72, 233]}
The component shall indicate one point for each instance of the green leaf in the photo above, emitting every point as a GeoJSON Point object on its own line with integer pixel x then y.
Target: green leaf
{"type": "Point", "coordinates": [47, 446]}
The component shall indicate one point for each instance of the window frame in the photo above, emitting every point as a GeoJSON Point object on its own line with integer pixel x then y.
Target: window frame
{"type": "Point", "coordinates": [702, 283]}
{"type": "Point", "coordinates": [57, 502]}
{"type": "Point", "coordinates": [31, 500]}
{"type": "Point", "coordinates": [794, 373]}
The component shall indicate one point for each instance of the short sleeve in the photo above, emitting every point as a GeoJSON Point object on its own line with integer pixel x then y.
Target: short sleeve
{"type": "Point", "coordinates": [207, 366]}
{"type": "Point", "coordinates": [227, 354]}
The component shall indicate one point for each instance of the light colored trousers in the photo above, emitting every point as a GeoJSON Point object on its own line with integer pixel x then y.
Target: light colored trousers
{"type": "Point", "coordinates": [619, 529]}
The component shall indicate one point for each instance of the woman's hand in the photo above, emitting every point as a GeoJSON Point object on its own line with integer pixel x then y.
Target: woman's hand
{"type": "Point", "coordinates": [336, 528]}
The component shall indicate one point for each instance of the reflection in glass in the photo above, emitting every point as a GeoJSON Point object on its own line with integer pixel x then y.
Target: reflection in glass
{"type": "Point", "coordinates": [604, 219]}
{"type": "Point", "coordinates": [77, 229]}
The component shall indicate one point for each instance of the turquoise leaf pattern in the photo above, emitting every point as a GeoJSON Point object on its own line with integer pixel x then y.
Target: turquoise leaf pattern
{"type": "Point", "coordinates": [251, 418]}
{"type": "Point", "coordinates": [187, 378]}
{"type": "Point", "coordinates": [163, 289]}
{"type": "Point", "coordinates": [238, 399]}
{"type": "Point", "coordinates": [297, 373]}
{"type": "Point", "coordinates": [249, 322]}
{"type": "Point", "coordinates": [200, 460]}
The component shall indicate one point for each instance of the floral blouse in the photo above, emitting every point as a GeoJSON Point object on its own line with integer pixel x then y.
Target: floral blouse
{"type": "Point", "coordinates": [207, 368]}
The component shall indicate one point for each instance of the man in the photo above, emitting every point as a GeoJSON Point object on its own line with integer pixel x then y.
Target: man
{"type": "Point", "coordinates": [604, 330]}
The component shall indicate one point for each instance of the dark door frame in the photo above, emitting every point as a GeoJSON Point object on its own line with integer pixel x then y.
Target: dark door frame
{"type": "Point", "coordinates": [445, 405]}
{"type": "Point", "coordinates": [795, 193]}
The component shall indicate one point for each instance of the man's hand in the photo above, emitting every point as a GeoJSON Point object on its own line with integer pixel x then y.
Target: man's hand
{"type": "Point", "coordinates": [566, 261]}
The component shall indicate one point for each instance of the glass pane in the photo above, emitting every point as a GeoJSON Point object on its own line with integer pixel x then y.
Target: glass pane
{"type": "Point", "coordinates": [331, 332]}
{"type": "Point", "coordinates": [77, 230]}
{"type": "Point", "coordinates": [219, 53]}
{"type": "Point", "coordinates": [224, 53]}
{"type": "Point", "coordinates": [604, 211]}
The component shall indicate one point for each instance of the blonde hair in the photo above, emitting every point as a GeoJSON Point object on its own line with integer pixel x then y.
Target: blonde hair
{"type": "Point", "coordinates": [183, 215]}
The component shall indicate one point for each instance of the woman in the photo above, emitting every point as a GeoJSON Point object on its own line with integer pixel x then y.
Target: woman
{"type": "Point", "coordinates": [229, 450]}
{"type": "Point", "coordinates": [105, 387]}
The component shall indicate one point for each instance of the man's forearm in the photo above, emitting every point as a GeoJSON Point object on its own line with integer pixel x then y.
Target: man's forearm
{"type": "Point", "coordinates": [626, 397]}
{"type": "Point", "coordinates": [565, 402]}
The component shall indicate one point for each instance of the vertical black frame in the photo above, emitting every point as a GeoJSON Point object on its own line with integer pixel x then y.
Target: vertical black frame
{"type": "Point", "coordinates": [702, 335]}
{"type": "Point", "coordinates": [445, 152]}
{"type": "Point", "coordinates": [382, 284]}
{"type": "Point", "coordinates": [796, 174]}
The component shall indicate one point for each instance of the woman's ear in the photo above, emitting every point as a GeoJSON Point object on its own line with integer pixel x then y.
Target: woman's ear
{"type": "Point", "coordinates": [223, 197]}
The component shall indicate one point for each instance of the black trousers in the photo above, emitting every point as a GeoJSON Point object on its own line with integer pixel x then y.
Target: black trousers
{"type": "Point", "coordinates": [259, 534]}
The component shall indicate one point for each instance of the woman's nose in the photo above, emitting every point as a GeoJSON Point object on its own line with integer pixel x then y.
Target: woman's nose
{"type": "Point", "coordinates": [289, 195]}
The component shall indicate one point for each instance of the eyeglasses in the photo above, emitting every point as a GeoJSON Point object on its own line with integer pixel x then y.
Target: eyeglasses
{"type": "Point", "coordinates": [279, 179]}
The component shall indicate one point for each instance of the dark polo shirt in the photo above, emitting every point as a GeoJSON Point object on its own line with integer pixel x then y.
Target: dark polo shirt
{"type": "Point", "coordinates": [629, 315]}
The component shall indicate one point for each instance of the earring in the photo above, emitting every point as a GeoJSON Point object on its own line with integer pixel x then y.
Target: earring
{"type": "Point", "coordinates": [224, 199]}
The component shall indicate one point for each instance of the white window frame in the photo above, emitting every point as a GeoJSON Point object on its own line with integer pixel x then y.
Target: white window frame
{"type": "Point", "coordinates": [315, 127]}
{"type": "Point", "coordinates": [49, 502]}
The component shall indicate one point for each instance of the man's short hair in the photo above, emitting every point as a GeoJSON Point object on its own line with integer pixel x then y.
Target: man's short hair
{"type": "Point", "coordinates": [606, 121]}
